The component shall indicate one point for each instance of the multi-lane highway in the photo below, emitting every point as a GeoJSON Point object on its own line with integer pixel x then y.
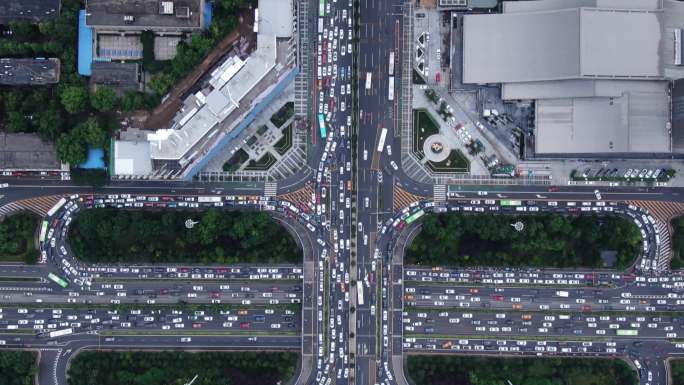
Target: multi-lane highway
{"type": "Point", "coordinates": [352, 308]}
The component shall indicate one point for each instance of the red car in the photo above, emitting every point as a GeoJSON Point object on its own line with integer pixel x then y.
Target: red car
{"type": "Point", "coordinates": [244, 325]}
{"type": "Point", "coordinates": [497, 297]}
{"type": "Point", "coordinates": [586, 307]}
{"type": "Point", "coordinates": [215, 294]}
{"type": "Point", "coordinates": [553, 189]}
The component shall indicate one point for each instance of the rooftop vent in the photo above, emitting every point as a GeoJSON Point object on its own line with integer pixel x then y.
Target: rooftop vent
{"type": "Point", "coordinates": [183, 12]}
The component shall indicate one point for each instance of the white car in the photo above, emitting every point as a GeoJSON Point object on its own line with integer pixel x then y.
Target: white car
{"type": "Point", "coordinates": [389, 150]}
{"type": "Point", "coordinates": [597, 193]}
{"type": "Point", "coordinates": [394, 165]}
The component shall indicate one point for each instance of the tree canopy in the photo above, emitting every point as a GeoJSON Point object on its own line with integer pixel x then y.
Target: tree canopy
{"type": "Point", "coordinates": [677, 370]}
{"type": "Point", "coordinates": [16, 237]}
{"type": "Point", "coordinates": [224, 237]}
{"type": "Point", "coordinates": [17, 367]}
{"type": "Point", "coordinates": [164, 368]}
{"type": "Point", "coordinates": [75, 99]}
{"type": "Point", "coordinates": [72, 147]}
{"type": "Point", "coordinates": [546, 240]}
{"type": "Point", "coordinates": [104, 98]}
{"type": "Point", "coordinates": [460, 370]}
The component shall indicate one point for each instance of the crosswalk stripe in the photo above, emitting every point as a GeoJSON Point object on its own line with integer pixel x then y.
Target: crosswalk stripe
{"type": "Point", "coordinates": [270, 189]}
{"type": "Point", "coordinates": [38, 205]}
{"type": "Point", "coordinates": [403, 198]}
{"type": "Point", "coordinates": [439, 192]}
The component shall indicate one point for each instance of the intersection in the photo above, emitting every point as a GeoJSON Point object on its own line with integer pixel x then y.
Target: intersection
{"type": "Point", "coordinates": [352, 308]}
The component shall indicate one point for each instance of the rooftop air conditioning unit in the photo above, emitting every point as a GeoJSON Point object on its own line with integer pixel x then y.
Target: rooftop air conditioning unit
{"type": "Point", "coordinates": [183, 12]}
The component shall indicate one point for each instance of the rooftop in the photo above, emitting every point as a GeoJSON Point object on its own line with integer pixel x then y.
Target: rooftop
{"type": "Point", "coordinates": [276, 18]}
{"type": "Point", "coordinates": [32, 10]}
{"type": "Point", "coordinates": [146, 14]}
{"type": "Point", "coordinates": [233, 79]}
{"type": "Point", "coordinates": [27, 152]}
{"type": "Point", "coordinates": [121, 76]}
{"type": "Point", "coordinates": [634, 122]}
{"type": "Point", "coordinates": [132, 157]}
{"type": "Point", "coordinates": [29, 71]}
{"type": "Point", "coordinates": [570, 43]}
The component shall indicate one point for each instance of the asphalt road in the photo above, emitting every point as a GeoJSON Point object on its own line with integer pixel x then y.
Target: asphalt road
{"type": "Point", "coordinates": [353, 242]}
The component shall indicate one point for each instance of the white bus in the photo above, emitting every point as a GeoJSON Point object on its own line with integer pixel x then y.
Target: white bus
{"type": "Point", "coordinates": [381, 142]}
{"type": "Point", "coordinates": [58, 206]}
{"type": "Point", "coordinates": [391, 64]}
{"type": "Point", "coordinates": [368, 80]}
{"type": "Point", "coordinates": [391, 88]}
{"type": "Point", "coordinates": [59, 333]}
{"type": "Point", "coordinates": [320, 25]}
{"type": "Point", "coordinates": [359, 289]}
{"type": "Point", "coordinates": [206, 199]}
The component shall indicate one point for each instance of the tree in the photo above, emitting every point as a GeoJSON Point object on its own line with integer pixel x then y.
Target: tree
{"type": "Point", "coordinates": [230, 5]}
{"type": "Point", "coordinates": [161, 82]}
{"type": "Point", "coordinates": [75, 99]}
{"type": "Point", "coordinates": [17, 367]}
{"type": "Point", "coordinates": [132, 101]}
{"type": "Point", "coordinates": [71, 149]}
{"type": "Point", "coordinates": [91, 133]}
{"type": "Point", "coordinates": [16, 122]}
{"type": "Point", "coordinates": [104, 98]}
{"type": "Point", "coordinates": [50, 121]}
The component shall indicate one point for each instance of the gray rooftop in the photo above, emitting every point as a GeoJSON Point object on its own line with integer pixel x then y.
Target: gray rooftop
{"type": "Point", "coordinates": [596, 70]}
{"type": "Point", "coordinates": [27, 152]}
{"type": "Point", "coordinates": [557, 44]}
{"type": "Point", "coordinates": [132, 157]}
{"type": "Point", "coordinates": [275, 17]}
{"type": "Point", "coordinates": [31, 10]}
{"type": "Point", "coordinates": [165, 15]}
{"type": "Point", "coordinates": [121, 76]}
{"type": "Point", "coordinates": [636, 121]}
{"type": "Point", "coordinates": [29, 71]}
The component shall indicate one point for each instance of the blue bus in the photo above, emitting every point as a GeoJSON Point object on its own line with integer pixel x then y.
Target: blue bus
{"type": "Point", "coordinates": [321, 126]}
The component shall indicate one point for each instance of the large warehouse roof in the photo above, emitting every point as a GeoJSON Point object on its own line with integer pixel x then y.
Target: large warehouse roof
{"type": "Point", "coordinates": [571, 43]}
{"type": "Point", "coordinates": [636, 121]}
